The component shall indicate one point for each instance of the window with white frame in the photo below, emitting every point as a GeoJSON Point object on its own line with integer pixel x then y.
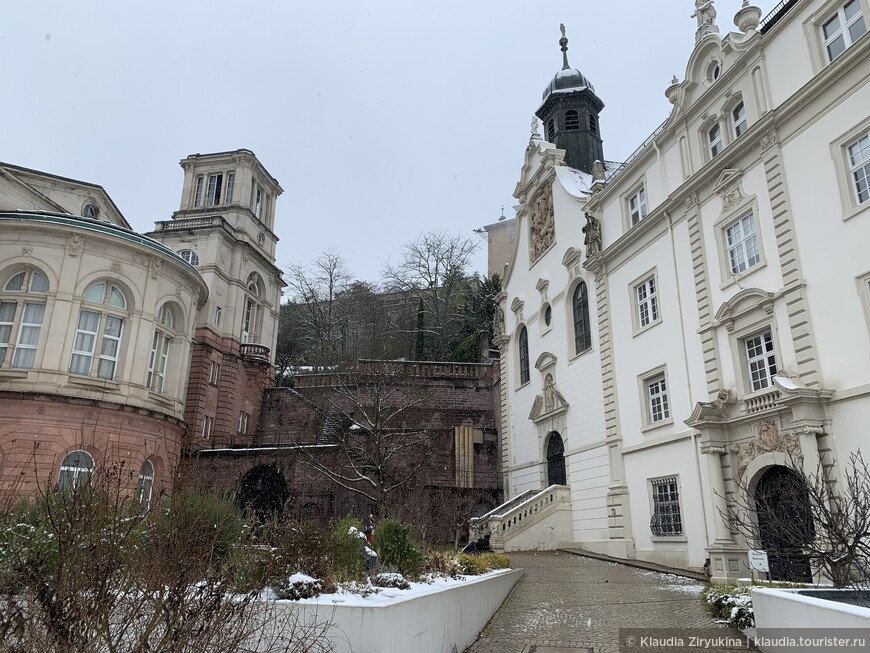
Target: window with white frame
{"type": "Point", "coordinates": [666, 518]}
{"type": "Point", "coordinates": [214, 373]}
{"type": "Point", "coordinates": [218, 314]}
{"type": "Point", "coordinates": [252, 313]}
{"type": "Point", "coordinates": [738, 120]}
{"type": "Point", "coordinates": [843, 28]}
{"type": "Point", "coordinates": [243, 423]}
{"type": "Point", "coordinates": [198, 185]}
{"type": "Point", "coordinates": [637, 206]}
{"type": "Point", "coordinates": [190, 256]}
{"type": "Point", "coordinates": [523, 347]}
{"type": "Point", "coordinates": [207, 427]}
{"type": "Point", "coordinates": [760, 360]}
{"type": "Point", "coordinates": [75, 470]}
{"type": "Point", "coordinates": [214, 188]}
{"type": "Point", "coordinates": [22, 311]}
{"type": "Point", "coordinates": [256, 198]}
{"type": "Point", "coordinates": [582, 325]}
{"type": "Point", "coordinates": [99, 330]}
{"type": "Point", "coordinates": [858, 152]}
{"type": "Point", "coordinates": [161, 342]}
{"type": "Point", "coordinates": [90, 211]}
{"type": "Point", "coordinates": [714, 140]}
{"type": "Point", "coordinates": [231, 187]}
{"type": "Point", "coordinates": [741, 243]}
{"type": "Point", "coordinates": [657, 405]}
{"type": "Point", "coordinates": [145, 483]}
{"type": "Point", "coordinates": [646, 302]}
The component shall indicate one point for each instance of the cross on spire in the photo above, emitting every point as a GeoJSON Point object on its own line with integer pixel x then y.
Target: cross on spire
{"type": "Point", "coordinates": [564, 43]}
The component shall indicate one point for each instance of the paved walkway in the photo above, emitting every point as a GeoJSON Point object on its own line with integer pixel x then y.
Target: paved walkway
{"type": "Point", "coordinates": [572, 604]}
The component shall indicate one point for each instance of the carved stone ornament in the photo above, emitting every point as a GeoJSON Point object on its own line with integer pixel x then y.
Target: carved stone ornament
{"type": "Point", "coordinates": [27, 251]}
{"type": "Point", "coordinates": [768, 141]}
{"type": "Point", "coordinates": [731, 198]}
{"type": "Point", "coordinates": [548, 404]}
{"type": "Point", "coordinates": [592, 235]}
{"type": "Point", "coordinates": [116, 267]}
{"type": "Point", "coordinates": [75, 245]}
{"type": "Point", "coordinates": [498, 323]}
{"type": "Point", "coordinates": [690, 202]}
{"type": "Point", "coordinates": [178, 291]}
{"type": "Point", "coordinates": [155, 268]}
{"type": "Point", "coordinates": [542, 227]}
{"type": "Point", "coordinates": [768, 439]}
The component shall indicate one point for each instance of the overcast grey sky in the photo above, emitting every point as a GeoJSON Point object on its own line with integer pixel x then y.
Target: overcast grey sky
{"type": "Point", "coordinates": [379, 119]}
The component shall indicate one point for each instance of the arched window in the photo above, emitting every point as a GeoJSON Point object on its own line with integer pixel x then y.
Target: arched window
{"type": "Point", "coordinates": [145, 483]}
{"type": "Point", "coordinates": [189, 256]}
{"type": "Point", "coordinates": [90, 211]}
{"type": "Point", "coordinates": [572, 119]}
{"type": "Point", "coordinates": [252, 315]}
{"type": "Point", "coordinates": [161, 344]}
{"type": "Point", "coordinates": [99, 330]}
{"type": "Point", "coordinates": [582, 328]}
{"type": "Point", "coordinates": [593, 124]}
{"type": "Point", "coordinates": [22, 310]}
{"type": "Point", "coordinates": [75, 470]}
{"type": "Point", "coordinates": [551, 129]}
{"type": "Point", "coordinates": [523, 340]}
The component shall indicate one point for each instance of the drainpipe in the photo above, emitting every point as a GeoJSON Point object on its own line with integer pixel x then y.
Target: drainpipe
{"type": "Point", "coordinates": [695, 442]}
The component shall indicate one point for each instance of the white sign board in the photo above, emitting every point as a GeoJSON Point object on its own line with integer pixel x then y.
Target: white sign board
{"type": "Point", "coordinates": [758, 560]}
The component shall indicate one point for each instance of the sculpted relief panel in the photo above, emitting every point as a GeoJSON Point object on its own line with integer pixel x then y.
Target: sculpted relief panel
{"type": "Point", "coordinates": [542, 227]}
{"type": "Point", "coordinates": [768, 439]}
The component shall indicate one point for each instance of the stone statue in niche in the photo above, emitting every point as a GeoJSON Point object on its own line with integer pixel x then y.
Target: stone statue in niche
{"type": "Point", "coordinates": [550, 396]}
{"type": "Point", "coordinates": [498, 323]}
{"type": "Point", "coordinates": [542, 229]}
{"type": "Point", "coordinates": [592, 238]}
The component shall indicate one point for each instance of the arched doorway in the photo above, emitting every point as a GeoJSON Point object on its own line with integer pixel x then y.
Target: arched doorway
{"type": "Point", "coordinates": [263, 492]}
{"type": "Point", "coordinates": [555, 460]}
{"type": "Point", "coordinates": [785, 523]}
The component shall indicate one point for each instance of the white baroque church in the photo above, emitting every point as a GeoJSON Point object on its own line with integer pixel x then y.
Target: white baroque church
{"type": "Point", "coordinates": [690, 324]}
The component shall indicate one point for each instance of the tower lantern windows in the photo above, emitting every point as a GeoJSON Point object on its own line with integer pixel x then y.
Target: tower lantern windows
{"type": "Point", "coordinates": [572, 120]}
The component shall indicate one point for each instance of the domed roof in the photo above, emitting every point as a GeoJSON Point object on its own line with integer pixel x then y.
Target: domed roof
{"type": "Point", "coordinates": [567, 79]}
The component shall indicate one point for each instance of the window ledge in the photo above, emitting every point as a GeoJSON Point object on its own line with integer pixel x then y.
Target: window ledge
{"type": "Point", "coordinates": [646, 327]}
{"type": "Point", "coordinates": [853, 210]}
{"type": "Point", "coordinates": [580, 355]}
{"type": "Point", "coordinates": [669, 538]}
{"type": "Point", "coordinates": [734, 278]}
{"type": "Point", "coordinates": [159, 398]}
{"type": "Point", "coordinates": [13, 374]}
{"type": "Point", "coordinates": [523, 385]}
{"type": "Point", "coordinates": [655, 425]}
{"type": "Point", "coordinates": [93, 382]}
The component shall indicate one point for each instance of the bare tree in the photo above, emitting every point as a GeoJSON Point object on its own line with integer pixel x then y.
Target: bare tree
{"type": "Point", "coordinates": [433, 270]}
{"type": "Point", "coordinates": [807, 516]}
{"type": "Point", "coordinates": [315, 287]}
{"type": "Point", "coordinates": [86, 569]}
{"type": "Point", "coordinates": [370, 416]}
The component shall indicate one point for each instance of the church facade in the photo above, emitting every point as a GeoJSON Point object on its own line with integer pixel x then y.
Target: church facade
{"type": "Point", "coordinates": [681, 329]}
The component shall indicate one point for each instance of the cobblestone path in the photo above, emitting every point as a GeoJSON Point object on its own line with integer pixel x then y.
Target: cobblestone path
{"type": "Point", "coordinates": [574, 604]}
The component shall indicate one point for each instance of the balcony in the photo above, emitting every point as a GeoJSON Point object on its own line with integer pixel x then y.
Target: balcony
{"type": "Point", "coordinates": [255, 353]}
{"type": "Point", "coordinates": [762, 402]}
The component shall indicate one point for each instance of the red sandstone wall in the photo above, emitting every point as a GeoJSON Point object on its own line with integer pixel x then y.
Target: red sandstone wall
{"type": "Point", "coordinates": [37, 431]}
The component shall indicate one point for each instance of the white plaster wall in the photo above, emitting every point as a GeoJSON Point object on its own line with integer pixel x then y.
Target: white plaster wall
{"type": "Point", "coordinates": [670, 459]}
{"type": "Point", "coordinates": [589, 478]}
{"type": "Point", "coordinates": [790, 612]}
{"type": "Point", "coordinates": [833, 250]}
{"type": "Point", "coordinates": [440, 621]}
{"type": "Point", "coordinates": [788, 54]}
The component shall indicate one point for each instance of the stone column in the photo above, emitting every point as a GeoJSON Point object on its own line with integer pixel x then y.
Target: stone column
{"type": "Point", "coordinates": [717, 486]}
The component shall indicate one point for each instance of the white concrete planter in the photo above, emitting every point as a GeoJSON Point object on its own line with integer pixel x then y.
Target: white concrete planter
{"type": "Point", "coordinates": [788, 609]}
{"type": "Point", "coordinates": [428, 621]}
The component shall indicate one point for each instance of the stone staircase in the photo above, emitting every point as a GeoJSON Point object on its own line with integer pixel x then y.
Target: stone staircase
{"type": "Point", "coordinates": [531, 521]}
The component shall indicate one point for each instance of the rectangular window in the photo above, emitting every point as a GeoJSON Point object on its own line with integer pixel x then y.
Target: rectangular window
{"type": "Point", "coordinates": [258, 202]}
{"type": "Point", "coordinates": [7, 318]}
{"type": "Point", "coordinates": [207, 427]}
{"type": "Point", "coordinates": [247, 321]}
{"type": "Point", "coordinates": [738, 119]}
{"type": "Point", "coordinates": [859, 167]}
{"type": "Point", "coordinates": [109, 347]}
{"type": "Point", "coordinates": [218, 313]}
{"type": "Point", "coordinates": [243, 423]}
{"type": "Point", "coordinates": [666, 519]}
{"type": "Point", "coordinates": [714, 137]}
{"type": "Point", "coordinates": [843, 28]}
{"type": "Point", "coordinates": [742, 244]}
{"type": "Point", "coordinates": [214, 373]}
{"type": "Point", "coordinates": [85, 342]}
{"type": "Point", "coordinates": [760, 360]}
{"type": "Point", "coordinates": [197, 193]}
{"type": "Point", "coordinates": [657, 399]}
{"type": "Point", "coordinates": [637, 206]}
{"type": "Point", "coordinates": [231, 186]}
{"type": "Point", "coordinates": [28, 336]}
{"type": "Point", "coordinates": [647, 302]}
{"type": "Point", "coordinates": [213, 195]}
{"type": "Point", "coordinates": [152, 359]}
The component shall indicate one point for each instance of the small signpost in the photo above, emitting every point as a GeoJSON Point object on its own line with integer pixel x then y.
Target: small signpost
{"type": "Point", "coordinates": [758, 562]}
